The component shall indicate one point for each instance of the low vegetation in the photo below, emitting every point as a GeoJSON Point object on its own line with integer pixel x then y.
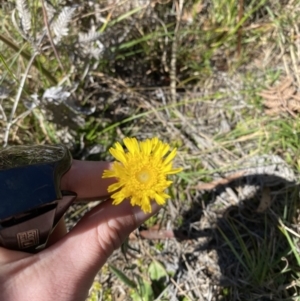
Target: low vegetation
{"type": "Point", "coordinates": [217, 79]}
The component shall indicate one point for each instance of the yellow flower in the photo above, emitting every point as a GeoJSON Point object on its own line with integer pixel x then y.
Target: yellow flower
{"type": "Point", "coordinates": [141, 172]}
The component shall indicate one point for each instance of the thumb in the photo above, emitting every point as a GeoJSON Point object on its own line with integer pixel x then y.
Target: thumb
{"type": "Point", "coordinates": [78, 256]}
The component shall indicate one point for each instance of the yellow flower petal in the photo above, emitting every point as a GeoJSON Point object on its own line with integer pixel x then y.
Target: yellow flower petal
{"type": "Point", "coordinates": [119, 155]}
{"type": "Point", "coordinates": [114, 187]}
{"type": "Point", "coordinates": [108, 174]}
{"type": "Point", "coordinates": [164, 195]}
{"type": "Point", "coordinates": [161, 149]}
{"type": "Point", "coordinates": [132, 145]}
{"type": "Point", "coordinates": [171, 156]}
{"type": "Point", "coordinates": [174, 171]}
{"type": "Point", "coordinates": [146, 207]}
{"type": "Point", "coordinates": [146, 147]}
{"type": "Point", "coordinates": [135, 201]}
{"type": "Point", "coordinates": [160, 200]}
{"type": "Point", "coordinates": [117, 198]}
{"type": "Point", "coordinates": [119, 147]}
{"type": "Point", "coordinates": [117, 201]}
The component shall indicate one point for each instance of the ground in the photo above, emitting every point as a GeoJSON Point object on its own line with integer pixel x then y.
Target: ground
{"type": "Point", "coordinates": [217, 79]}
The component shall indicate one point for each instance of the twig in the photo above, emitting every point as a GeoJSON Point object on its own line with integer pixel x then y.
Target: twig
{"type": "Point", "coordinates": [50, 36]}
{"type": "Point", "coordinates": [164, 54]}
{"type": "Point", "coordinates": [18, 96]}
{"type": "Point", "coordinates": [23, 115]}
{"type": "Point", "coordinates": [288, 229]}
{"type": "Point", "coordinates": [27, 56]}
{"type": "Point", "coordinates": [192, 275]}
{"type": "Point", "coordinates": [173, 77]}
{"type": "Point", "coordinates": [180, 289]}
{"type": "Point", "coordinates": [2, 112]}
{"type": "Point", "coordinates": [239, 33]}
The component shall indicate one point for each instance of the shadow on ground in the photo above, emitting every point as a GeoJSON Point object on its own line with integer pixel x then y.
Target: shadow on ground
{"type": "Point", "coordinates": [242, 234]}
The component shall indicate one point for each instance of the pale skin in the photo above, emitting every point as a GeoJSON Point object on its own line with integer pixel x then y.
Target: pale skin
{"type": "Point", "coordinates": [65, 270]}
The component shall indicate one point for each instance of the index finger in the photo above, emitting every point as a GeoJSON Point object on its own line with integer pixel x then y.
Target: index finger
{"type": "Point", "coordinates": [85, 178]}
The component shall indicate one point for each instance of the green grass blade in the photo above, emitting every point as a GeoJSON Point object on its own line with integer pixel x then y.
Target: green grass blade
{"type": "Point", "coordinates": [130, 283]}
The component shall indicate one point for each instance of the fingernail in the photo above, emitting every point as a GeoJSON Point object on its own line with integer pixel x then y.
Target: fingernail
{"type": "Point", "coordinates": [141, 216]}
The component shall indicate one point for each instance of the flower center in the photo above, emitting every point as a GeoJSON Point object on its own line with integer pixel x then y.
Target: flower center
{"type": "Point", "coordinates": [143, 176]}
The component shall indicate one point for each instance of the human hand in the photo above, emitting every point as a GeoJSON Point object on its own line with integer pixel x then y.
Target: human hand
{"type": "Point", "coordinates": [65, 270]}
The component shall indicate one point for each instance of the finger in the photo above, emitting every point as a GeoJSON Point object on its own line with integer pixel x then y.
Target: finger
{"type": "Point", "coordinates": [85, 178]}
{"type": "Point", "coordinates": [87, 247]}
